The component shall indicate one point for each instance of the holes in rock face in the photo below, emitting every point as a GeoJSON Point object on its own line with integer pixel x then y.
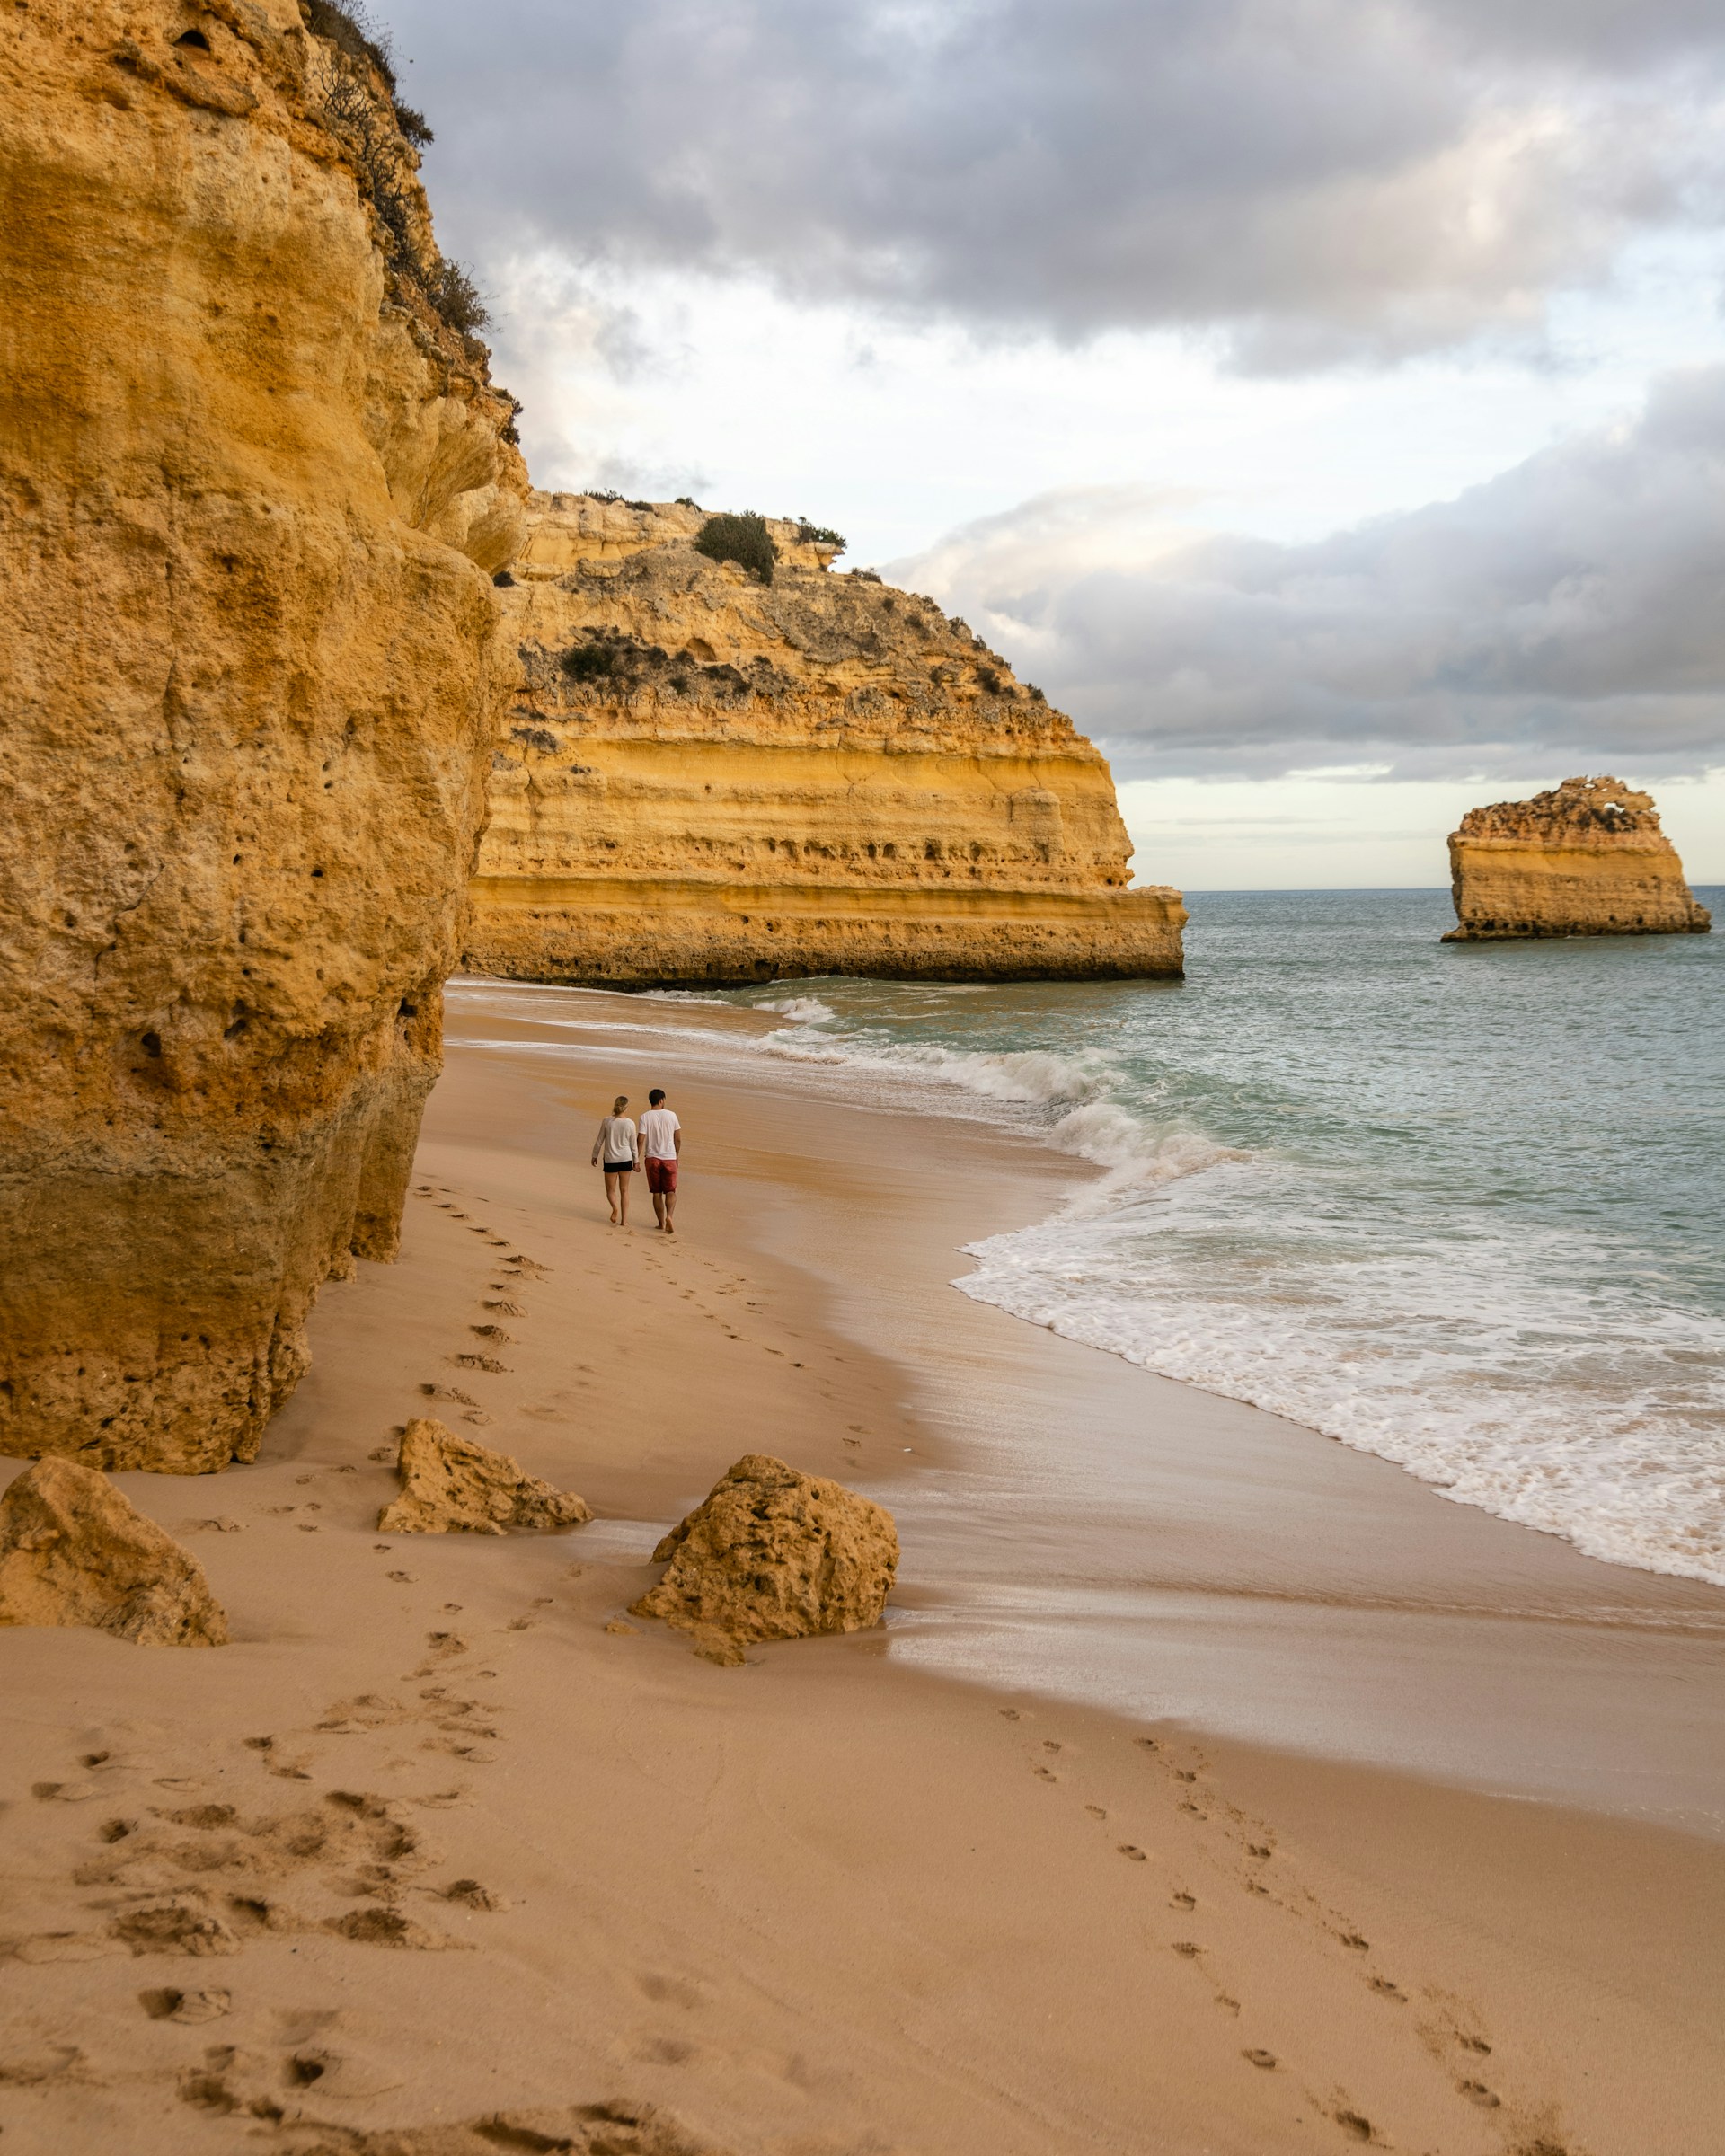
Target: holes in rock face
{"type": "Point", "coordinates": [235, 1025]}
{"type": "Point", "coordinates": [408, 1010]}
{"type": "Point", "coordinates": [195, 38]}
{"type": "Point", "coordinates": [151, 1044]}
{"type": "Point", "coordinates": [317, 872]}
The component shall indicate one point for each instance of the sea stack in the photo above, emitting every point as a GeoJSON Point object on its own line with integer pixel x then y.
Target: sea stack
{"type": "Point", "coordinates": [722, 770]}
{"type": "Point", "coordinates": [1588, 858]}
{"type": "Point", "coordinates": [256, 481]}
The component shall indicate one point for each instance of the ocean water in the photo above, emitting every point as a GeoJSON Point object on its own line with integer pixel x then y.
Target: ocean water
{"type": "Point", "coordinates": [1458, 1205]}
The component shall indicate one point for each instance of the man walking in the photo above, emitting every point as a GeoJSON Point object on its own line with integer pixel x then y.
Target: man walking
{"type": "Point", "coordinates": [661, 1142]}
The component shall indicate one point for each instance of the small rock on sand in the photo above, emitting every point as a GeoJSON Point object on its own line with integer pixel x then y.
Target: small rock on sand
{"type": "Point", "coordinates": [74, 1551]}
{"type": "Point", "coordinates": [453, 1485]}
{"type": "Point", "coordinates": [773, 1554]}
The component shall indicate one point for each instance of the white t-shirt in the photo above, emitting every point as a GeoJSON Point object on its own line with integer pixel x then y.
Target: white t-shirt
{"type": "Point", "coordinates": [617, 1139]}
{"type": "Point", "coordinates": [659, 1128]}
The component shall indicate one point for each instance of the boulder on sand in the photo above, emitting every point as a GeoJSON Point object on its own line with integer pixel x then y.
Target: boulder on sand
{"type": "Point", "coordinates": [74, 1551]}
{"type": "Point", "coordinates": [450, 1486]}
{"type": "Point", "coordinates": [773, 1554]}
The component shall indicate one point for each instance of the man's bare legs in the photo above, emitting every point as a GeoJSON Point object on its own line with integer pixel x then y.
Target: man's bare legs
{"type": "Point", "coordinates": [664, 1206]}
{"type": "Point", "coordinates": [616, 1188]}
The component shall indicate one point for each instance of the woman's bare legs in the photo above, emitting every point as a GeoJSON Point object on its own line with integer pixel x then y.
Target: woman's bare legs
{"type": "Point", "coordinates": [616, 1188]}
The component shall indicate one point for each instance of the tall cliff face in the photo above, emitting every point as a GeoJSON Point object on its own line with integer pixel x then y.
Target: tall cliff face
{"type": "Point", "coordinates": [705, 778]}
{"type": "Point", "coordinates": [1588, 858]}
{"type": "Point", "coordinates": [251, 485]}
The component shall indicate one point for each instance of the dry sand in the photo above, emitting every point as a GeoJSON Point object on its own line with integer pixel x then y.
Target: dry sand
{"type": "Point", "coordinates": [832, 1900]}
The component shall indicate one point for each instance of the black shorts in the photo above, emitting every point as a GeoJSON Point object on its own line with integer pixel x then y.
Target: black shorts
{"type": "Point", "coordinates": [619, 1167]}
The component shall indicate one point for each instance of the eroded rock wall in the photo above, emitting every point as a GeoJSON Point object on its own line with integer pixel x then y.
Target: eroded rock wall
{"type": "Point", "coordinates": [1587, 859]}
{"type": "Point", "coordinates": [251, 489]}
{"type": "Point", "coordinates": [709, 779]}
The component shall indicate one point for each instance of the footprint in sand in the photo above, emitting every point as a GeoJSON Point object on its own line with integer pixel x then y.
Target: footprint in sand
{"type": "Point", "coordinates": [481, 1362]}
{"type": "Point", "coordinates": [191, 2008]}
{"type": "Point", "coordinates": [492, 1332]}
{"type": "Point", "coordinates": [1477, 2092]}
{"type": "Point", "coordinates": [1266, 2059]}
{"type": "Point", "coordinates": [1130, 1849]}
{"type": "Point", "coordinates": [507, 1309]}
{"type": "Point", "coordinates": [1096, 1811]}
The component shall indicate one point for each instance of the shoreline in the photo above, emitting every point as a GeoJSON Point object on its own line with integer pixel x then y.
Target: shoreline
{"type": "Point", "coordinates": [838, 1898]}
{"type": "Point", "coordinates": [1171, 1525]}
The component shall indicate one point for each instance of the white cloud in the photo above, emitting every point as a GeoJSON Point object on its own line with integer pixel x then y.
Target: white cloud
{"type": "Point", "coordinates": [1571, 608]}
{"type": "Point", "coordinates": [1306, 179]}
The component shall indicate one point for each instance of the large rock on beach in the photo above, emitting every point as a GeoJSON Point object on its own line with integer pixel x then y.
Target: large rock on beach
{"type": "Point", "coordinates": [254, 483]}
{"type": "Point", "coordinates": [708, 777]}
{"type": "Point", "coordinates": [452, 1485]}
{"type": "Point", "coordinates": [74, 1550]}
{"type": "Point", "coordinates": [773, 1554]}
{"type": "Point", "coordinates": [1587, 859]}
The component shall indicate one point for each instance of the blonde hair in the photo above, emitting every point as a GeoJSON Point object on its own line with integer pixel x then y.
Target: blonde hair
{"type": "Point", "coordinates": [619, 1104]}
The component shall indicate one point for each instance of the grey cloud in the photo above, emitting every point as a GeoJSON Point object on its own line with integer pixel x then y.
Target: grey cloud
{"type": "Point", "coordinates": [1574, 606]}
{"type": "Point", "coordinates": [1309, 179]}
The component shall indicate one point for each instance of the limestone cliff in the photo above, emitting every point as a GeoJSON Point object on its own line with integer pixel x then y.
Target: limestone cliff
{"type": "Point", "coordinates": [1588, 858]}
{"type": "Point", "coordinates": [254, 481]}
{"type": "Point", "coordinates": [709, 778]}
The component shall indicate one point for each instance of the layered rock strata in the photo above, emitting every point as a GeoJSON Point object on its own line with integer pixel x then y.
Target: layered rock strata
{"type": "Point", "coordinates": [1587, 859]}
{"type": "Point", "coordinates": [773, 1554]}
{"type": "Point", "coordinates": [254, 486]}
{"type": "Point", "coordinates": [452, 1485]}
{"type": "Point", "coordinates": [75, 1550]}
{"type": "Point", "coordinates": [706, 779]}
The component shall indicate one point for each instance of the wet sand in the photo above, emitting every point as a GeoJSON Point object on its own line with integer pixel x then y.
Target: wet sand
{"type": "Point", "coordinates": [1160, 1882]}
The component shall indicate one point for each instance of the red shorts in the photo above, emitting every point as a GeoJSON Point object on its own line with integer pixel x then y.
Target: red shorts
{"type": "Point", "coordinates": [661, 1177]}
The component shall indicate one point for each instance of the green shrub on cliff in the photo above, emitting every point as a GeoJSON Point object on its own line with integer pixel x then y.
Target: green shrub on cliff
{"type": "Point", "coordinates": [744, 540]}
{"type": "Point", "coordinates": [590, 662]}
{"type": "Point", "coordinates": [820, 535]}
{"type": "Point", "coordinates": [457, 298]}
{"type": "Point", "coordinates": [350, 29]}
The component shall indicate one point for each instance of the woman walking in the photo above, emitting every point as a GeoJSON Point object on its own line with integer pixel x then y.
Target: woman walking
{"type": "Point", "coordinates": [618, 1148]}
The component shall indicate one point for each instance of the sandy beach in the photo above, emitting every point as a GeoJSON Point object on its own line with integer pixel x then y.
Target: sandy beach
{"type": "Point", "coordinates": [1211, 1788]}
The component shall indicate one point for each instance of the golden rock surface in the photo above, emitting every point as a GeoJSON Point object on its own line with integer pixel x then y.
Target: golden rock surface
{"type": "Point", "coordinates": [1587, 859]}
{"type": "Point", "coordinates": [253, 488]}
{"type": "Point", "coordinates": [451, 1485]}
{"type": "Point", "coordinates": [74, 1550]}
{"type": "Point", "coordinates": [705, 778]}
{"type": "Point", "coordinates": [773, 1554]}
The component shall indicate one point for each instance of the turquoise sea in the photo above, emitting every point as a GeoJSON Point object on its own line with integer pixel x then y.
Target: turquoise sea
{"type": "Point", "coordinates": [1459, 1206]}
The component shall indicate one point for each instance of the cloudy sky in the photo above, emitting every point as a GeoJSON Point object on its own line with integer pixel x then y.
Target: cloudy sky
{"type": "Point", "coordinates": [1323, 400]}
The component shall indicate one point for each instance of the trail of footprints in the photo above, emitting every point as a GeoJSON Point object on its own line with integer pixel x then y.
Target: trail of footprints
{"type": "Point", "coordinates": [201, 1867]}
{"type": "Point", "coordinates": [490, 1333]}
{"type": "Point", "coordinates": [1243, 1851]}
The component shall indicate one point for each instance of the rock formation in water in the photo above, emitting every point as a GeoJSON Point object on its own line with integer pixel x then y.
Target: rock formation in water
{"type": "Point", "coordinates": [451, 1485]}
{"type": "Point", "coordinates": [74, 1551]}
{"type": "Point", "coordinates": [253, 485]}
{"type": "Point", "coordinates": [773, 1554]}
{"type": "Point", "coordinates": [709, 777]}
{"type": "Point", "coordinates": [1588, 858]}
